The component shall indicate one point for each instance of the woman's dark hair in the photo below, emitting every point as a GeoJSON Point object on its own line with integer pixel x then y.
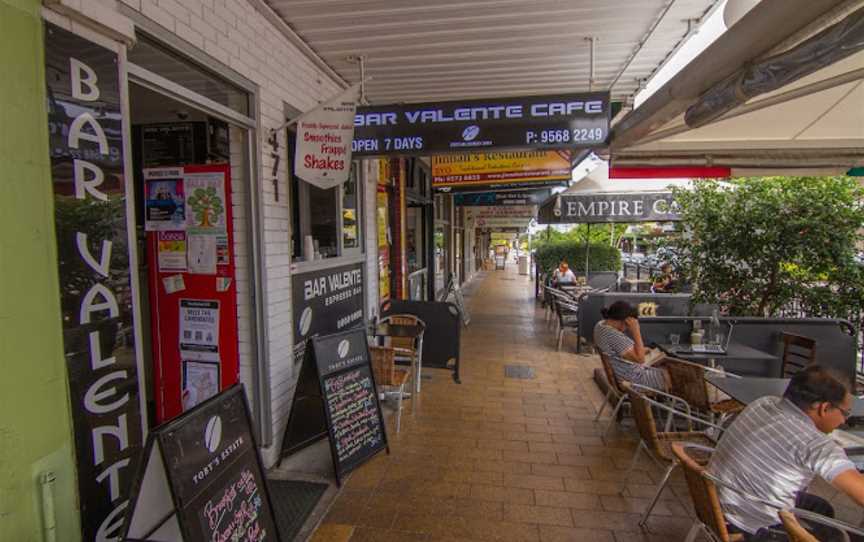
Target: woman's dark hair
{"type": "Point", "coordinates": [815, 384]}
{"type": "Point", "coordinates": [620, 310]}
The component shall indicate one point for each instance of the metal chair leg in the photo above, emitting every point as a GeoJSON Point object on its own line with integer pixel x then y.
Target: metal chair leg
{"type": "Point", "coordinates": [614, 415]}
{"type": "Point", "coordinates": [399, 408]}
{"type": "Point", "coordinates": [633, 462]}
{"type": "Point", "coordinates": [660, 487]}
{"type": "Point", "coordinates": [694, 532]}
{"type": "Point", "coordinates": [560, 338]}
{"type": "Point", "coordinates": [607, 399]}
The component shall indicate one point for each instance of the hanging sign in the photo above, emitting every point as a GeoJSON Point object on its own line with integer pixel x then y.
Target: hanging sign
{"type": "Point", "coordinates": [516, 197]}
{"type": "Point", "coordinates": [326, 301]}
{"type": "Point", "coordinates": [500, 169]}
{"type": "Point", "coordinates": [336, 397]}
{"type": "Point", "coordinates": [322, 154]}
{"type": "Point", "coordinates": [566, 121]}
{"type": "Point", "coordinates": [590, 208]}
{"type": "Point", "coordinates": [86, 136]}
{"type": "Point", "coordinates": [202, 478]}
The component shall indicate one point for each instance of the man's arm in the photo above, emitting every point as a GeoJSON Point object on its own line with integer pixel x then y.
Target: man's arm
{"type": "Point", "coordinates": [851, 482]}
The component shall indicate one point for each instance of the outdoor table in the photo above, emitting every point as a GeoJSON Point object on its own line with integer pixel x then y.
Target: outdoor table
{"type": "Point", "coordinates": [404, 331]}
{"type": "Point", "coordinates": [748, 389]}
{"type": "Point", "coordinates": [739, 358]}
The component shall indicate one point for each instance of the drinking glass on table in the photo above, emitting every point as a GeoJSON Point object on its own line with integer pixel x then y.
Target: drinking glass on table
{"type": "Point", "coordinates": [674, 339]}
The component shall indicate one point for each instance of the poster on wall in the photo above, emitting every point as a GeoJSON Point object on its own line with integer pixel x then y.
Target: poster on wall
{"type": "Point", "coordinates": [326, 301]}
{"type": "Point", "coordinates": [171, 250]}
{"type": "Point", "coordinates": [200, 382]}
{"type": "Point", "coordinates": [85, 127]}
{"type": "Point", "coordinates": [205, 203]}
{"type": "Point", "coordinates": [164, 205]}
{"type": "Point", "coordinates": [199, 330]}
{"type": "Point", "coordinates": [202, 254]}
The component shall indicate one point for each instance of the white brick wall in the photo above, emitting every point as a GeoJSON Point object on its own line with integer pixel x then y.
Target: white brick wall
{"type": "Point", "coordinates": [235, 34]}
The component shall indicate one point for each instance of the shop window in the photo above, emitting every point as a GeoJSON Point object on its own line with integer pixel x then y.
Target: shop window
{"type": "Point", "coordinates": [150, 55]}
{"type": "Point", "coordinates": [331, 219]}
{"type": "Point", "coordinates": [414, 249]}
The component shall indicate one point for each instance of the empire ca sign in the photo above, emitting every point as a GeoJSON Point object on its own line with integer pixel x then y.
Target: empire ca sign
{"type": "Point", "coordinates": [592, 208]}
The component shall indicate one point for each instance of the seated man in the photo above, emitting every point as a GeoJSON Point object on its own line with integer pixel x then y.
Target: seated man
{"type": "Point", "coordinates": [619, 337]}
{"type": "Point", "coordinates": [776, 446]}
{"type": "Point", "coordinates": [563, 275]}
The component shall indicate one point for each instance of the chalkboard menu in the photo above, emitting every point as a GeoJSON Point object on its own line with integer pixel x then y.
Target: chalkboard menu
{"type": "Point", "coordinates": [203, 479]}
{"type": "Point", "coordinates": [336, 397]}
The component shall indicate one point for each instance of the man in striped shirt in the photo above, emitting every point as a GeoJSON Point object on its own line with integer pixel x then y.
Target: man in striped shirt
{"type": "Point", "coordinates": [774, 449]}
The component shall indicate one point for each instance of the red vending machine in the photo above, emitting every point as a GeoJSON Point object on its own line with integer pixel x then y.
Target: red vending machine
{"type": "Point", "coordinates": [193, 294]}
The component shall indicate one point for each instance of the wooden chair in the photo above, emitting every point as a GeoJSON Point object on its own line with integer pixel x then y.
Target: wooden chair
{"type": "Point", "coordinates": [798, 352]}
{"type": "Point", "coordinates": [797, 532]}
{"type": "Point", "coordinates": [388, 375]}
{"type": "Point", "coordinates": [688, 382]}
{"type": "Point", "coordinates": [407, 350]}
{"type": "Point", "coordinates": [709, 515]}
{"type": "Point", "coordinates": [658, 444]}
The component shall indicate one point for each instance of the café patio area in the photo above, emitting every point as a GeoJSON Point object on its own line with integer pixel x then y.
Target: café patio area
{"type": "Point", "coordinates": [501, 458]}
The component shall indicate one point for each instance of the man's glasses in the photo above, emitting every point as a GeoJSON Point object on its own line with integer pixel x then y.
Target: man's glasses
{"type": "Point", "coordinates": [847, 413]}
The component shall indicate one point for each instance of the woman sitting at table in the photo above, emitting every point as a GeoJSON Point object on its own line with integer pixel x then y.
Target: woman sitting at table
{"type": "Point", "coordinates": [666, 281]}
{"type": "Point", "coordinates": [618, 336]}
{"type": "Point", "coordinates": [563, 275]}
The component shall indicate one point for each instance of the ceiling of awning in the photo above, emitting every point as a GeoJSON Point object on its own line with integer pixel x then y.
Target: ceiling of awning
{"type": "Point", "coordinates": [431, 50]}
{"type": "Point", "coordinates": [822, 127]}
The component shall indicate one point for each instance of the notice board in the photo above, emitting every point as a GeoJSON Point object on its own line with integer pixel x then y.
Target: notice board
{"type": "Point", "coordinates": [337, 398]}
{"type": "Point", "coordinates": [202, 478]}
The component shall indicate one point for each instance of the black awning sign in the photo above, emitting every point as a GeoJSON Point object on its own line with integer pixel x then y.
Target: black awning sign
{"type": "Point", "coordinates": [588, 208]}
{"type": "Point", "coordinates": [536, 122]}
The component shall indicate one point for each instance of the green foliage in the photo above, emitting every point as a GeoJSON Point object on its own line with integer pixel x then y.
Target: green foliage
{"type": "Point", "coordinates": [601, 257]}
{"type": "Point", "coordinates": [599, 234]}
{"type": "Point", "coordinates": [757, 244]}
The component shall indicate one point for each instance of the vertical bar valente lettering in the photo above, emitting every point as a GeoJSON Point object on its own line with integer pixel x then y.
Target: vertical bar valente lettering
{"type": "Point", "coordinates": [86, 149]}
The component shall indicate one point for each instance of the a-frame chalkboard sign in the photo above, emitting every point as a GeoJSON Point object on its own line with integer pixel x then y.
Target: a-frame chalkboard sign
{"type": "Point", "coordinates": [336, 397]}
{"type": "Point", "coordinates": [202, 479]}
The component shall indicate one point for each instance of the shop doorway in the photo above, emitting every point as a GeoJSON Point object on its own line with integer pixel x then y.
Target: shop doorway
{"type": "Point", "coordinates": [190, 169]}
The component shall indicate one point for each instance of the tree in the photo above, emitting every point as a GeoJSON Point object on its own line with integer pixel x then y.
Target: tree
{"type": "Point", "coordinates": [754, 245]}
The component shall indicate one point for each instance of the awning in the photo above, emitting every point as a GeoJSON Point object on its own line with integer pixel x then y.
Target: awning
{"type": "Point", "coordinates": [599, 199]}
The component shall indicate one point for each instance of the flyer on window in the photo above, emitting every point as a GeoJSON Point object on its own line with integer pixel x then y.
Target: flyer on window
{"type": "Point", "coordinates": [199, 330]}
{"type": "Point", "coordinates": [164, 205]}
{"type": "Point", "coordinates": [200, 382]}
{"type": "Point", "coordinates": [205, 203]}
{"type": "Point", "coordinates": [171, 250]}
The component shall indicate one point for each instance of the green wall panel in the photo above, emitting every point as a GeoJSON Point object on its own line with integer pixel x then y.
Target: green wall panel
{"type": "Point", "coordinates": [35, 424]}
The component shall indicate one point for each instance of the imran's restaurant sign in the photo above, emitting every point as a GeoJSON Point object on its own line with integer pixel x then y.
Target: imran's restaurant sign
{"type": "Point", "coordinates": [565, 121]}
{"type": "Point", "coordinates": [500, 169]}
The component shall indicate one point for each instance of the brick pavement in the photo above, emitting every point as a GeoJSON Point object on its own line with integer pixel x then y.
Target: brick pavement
{"type": "Point", "coordinates": [501, 459]}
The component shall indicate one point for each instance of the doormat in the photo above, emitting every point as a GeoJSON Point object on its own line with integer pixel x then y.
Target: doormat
{"type": "Point", "coordinates": [293, 501]}
{"type": "Point", "coordinates": [519, 371]}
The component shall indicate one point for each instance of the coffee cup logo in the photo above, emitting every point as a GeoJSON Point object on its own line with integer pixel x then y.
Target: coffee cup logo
{"type": "Point", "coordinates": [213, 433]}
{"type": "Point", "coordinates": [343, 348]}
{"type": "Point", "coordinates": [305, 321]}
